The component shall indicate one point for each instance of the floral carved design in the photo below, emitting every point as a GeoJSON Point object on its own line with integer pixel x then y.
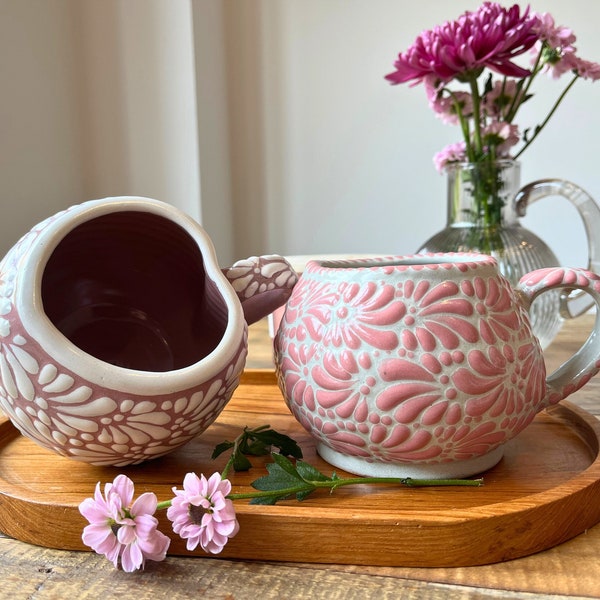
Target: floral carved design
{"type": "Point", "coordinates": [409, 369]}
{"type": "Point", "coordinates": [58, 409]}
{"type": "Point", "coordinates": [61, 412]}
{"type": "Point", "coordinates": [262, 284]}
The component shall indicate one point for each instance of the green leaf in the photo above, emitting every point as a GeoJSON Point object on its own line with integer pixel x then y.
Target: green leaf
{"type": "Point", "coordinates": [283, 475]}
{"type": "Point", "coordinates": [488, 85]}
{"type": "Point", "coordinates": [255, 448]}
{"type": "Point", "coordinates": [264, 501]}
{"type": "Point", "coordinates": [279, 478]}
{"type": "Point", "coordinates": [269, 500]}
{"type": "Point", "coordinates": [302, 495]}
{"type": "Point", "coordinates": [285, 464]}
{"type": "Point", "coordinates": [310, 473]}
{"type": "Point", "coordinates": [287, 446]}
{"type": "Point", "coordinates": [220, 448]}
{"type": "Point", "coordinates": [240, 462]}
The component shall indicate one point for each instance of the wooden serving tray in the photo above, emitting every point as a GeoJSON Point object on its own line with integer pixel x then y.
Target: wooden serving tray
{"type": "Point", "coordinates": [545, 490]}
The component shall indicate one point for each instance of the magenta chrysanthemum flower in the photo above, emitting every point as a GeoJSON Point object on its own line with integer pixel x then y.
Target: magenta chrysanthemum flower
{"type": "Point", "coordinates": [202, 514]}
{"type": "Point", "coordinates": [490, 37]}
{"type": "Point", "coordinates": [121, 530]}
{"type": "Point", "coordinates": [464, 51]}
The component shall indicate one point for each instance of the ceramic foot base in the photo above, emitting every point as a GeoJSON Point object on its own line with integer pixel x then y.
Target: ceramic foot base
{"type": "Point", "coordinates": [454, 470]}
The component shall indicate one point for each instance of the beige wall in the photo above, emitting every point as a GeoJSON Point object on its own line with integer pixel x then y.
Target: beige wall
{"type": "Point", "coordinates": [267, 120]}
{"type": "Point", "coordinates": [330, 158]}
{"type": "Point", "coordinates": [98, 100]}
{"type": "Point", "coordinates": [40, 118]}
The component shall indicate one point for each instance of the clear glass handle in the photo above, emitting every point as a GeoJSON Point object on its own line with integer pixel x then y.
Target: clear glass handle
{"type": "Point", "coordinates": [576, 302]}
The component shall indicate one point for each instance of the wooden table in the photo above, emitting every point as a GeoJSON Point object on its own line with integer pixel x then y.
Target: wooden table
{"type": "Point", "coordinates": [569, 570]}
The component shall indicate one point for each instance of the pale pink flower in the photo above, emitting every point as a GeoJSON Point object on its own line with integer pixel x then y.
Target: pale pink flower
{"type": "Point", "coordinates": [500, 98]}
{"type": "Point", "coordinates": [447, 104]}
{"type": "Point", "coordinates": [555, 36]}
{"type": "Point", "coordinates": [202, 514]}
{"type": "Point", "coordinates": [491, 37]}
{"type": "Point", "coordinates": [561, 64]}
{"type": "Point", "coordinates": [452, 153]}
{"type": "Point", "coordinates": [121, 530]}
{"type": "Point", "coordinates": [503, 136]}
{"type": "Point", "coordinates": [448, 107]}
{"type": "Point", "coordinates": [570, 63]}
{"type": "Point", "coordinates": [586, 69]}
{"type": "Point", "coordinates": [563, 54]}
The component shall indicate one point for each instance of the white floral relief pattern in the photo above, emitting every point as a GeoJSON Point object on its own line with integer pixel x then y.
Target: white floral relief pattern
{"type": "Point", "coordinates": [259, 274]}
{"type": "Point", "coordinates": [63, 413]}
{"type": "Point", "coordinates": [60, 412]}
{"type": "Point", "coordinates": [409, 372]}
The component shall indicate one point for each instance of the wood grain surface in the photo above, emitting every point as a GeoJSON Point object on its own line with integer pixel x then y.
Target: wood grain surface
{"type": "Point", "coordinates": [568, 570]}
{"type": "Point", "coordinates": [540, 494]}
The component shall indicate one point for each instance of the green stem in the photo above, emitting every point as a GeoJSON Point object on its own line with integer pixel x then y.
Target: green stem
{"type": "Point", "coordinates": [476, 112]}
{"type": "Point", "coordinates": [490, 172]}
{"type": "Point", "coordinates": [336, 483]}
{"type": "Point", "coordinates": [464, 125]}
{"type": "Point", "coordinates": [521, 94]}
{"type": "Point", "coordinates": [407, 481]}
{"type": "Point", "coordinates": [538, 129]}
{"type": "Point", "coordinates": [236, 448]}
{"type": "Point", "coordinates": [229, 463]}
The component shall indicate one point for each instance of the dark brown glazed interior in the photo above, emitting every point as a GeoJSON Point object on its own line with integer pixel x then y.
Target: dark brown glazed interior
{"type": "Point", "coordinates": [130, 288]}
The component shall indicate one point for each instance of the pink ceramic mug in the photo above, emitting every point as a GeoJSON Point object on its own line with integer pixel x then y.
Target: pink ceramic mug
{"type": "Point", "coordinates": [120, 337]}
{"type": "Point", "coordinates": [421, 366]}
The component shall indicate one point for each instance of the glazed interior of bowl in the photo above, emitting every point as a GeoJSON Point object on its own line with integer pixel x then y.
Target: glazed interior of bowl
{"type": "Point", "coordinates": [130, 288]}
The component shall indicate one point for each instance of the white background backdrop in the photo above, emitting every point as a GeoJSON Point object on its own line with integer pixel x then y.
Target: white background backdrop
{"type": "Point", "coordinates": [267, 120]}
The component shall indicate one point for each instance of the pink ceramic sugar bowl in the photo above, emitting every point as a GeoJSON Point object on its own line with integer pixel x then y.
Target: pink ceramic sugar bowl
{"type": "Point", "coordinates": [421, 366]}
{"type": "Point", "coordinates": [120, 337]}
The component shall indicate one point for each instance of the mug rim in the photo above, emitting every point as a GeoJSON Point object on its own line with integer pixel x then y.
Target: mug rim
{"type": "Point", "coordinates": [430, 260]}
{"type": "Point", "coordinates": [54, 344]}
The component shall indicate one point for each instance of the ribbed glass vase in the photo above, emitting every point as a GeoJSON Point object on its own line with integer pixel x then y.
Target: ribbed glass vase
{"type": "Point", "coordinates": [482, 217]}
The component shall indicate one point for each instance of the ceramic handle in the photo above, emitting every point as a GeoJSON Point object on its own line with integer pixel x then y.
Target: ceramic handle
{"type": "Point", "coordinates": [575, 304]}
{"type": "Point", "coordinates": [585, 363]}
{"type": "Point", "coordinates": [262, 283]}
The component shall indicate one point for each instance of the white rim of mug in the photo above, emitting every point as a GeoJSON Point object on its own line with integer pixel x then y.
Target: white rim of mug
{"type": "Point", "coordinates": [436, 260]}
{"type": "Point", "coordinates": [96, 371]}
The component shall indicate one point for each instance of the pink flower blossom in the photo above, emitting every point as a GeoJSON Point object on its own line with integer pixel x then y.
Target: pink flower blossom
{"type": "Point", "coordinates": [448, 108]}
{"type": "Point", "coordinates": [452, 153]}
{"type": "Point", "coordinates": [464, 51]}
{"type": "Point", "coordinates": [586, 69]}
{"type": "Point", "coordinates": [562, 54]}
{"type": "Point", "coordinates": [490, 37]}
{"type": "Point", "coordinates": [447, 104]}
{"type": "Point", "coordinates": [498, 101]}
{"type": "Point", "coordinates": [569, 62]}
{"type": "Point", "coordinates": [121, 530]}
{"type": "Point", "coordinates": [555, 36]}
{"type": "Point", "coordinates": [562, 63]}
{"type": "Point", "coordinates": [202, 514]}
{"type": "Point", "coordinates": [503, 136]}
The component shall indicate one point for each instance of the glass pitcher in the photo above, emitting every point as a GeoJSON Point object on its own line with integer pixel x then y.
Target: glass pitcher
{"type": "Point", "coordinates": [484, 208]}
